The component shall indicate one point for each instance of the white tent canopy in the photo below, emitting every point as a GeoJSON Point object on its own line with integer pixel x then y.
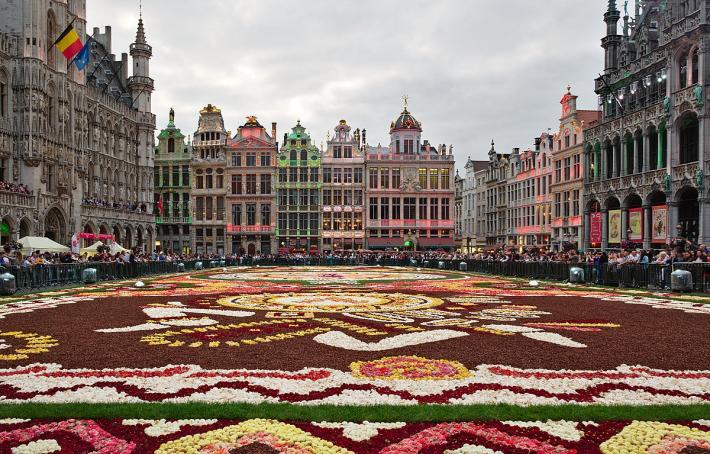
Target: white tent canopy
{"type": "Point", "coordinates": [42, 244]}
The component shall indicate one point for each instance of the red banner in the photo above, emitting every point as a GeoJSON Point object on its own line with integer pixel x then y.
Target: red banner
{"type": "Point", "coordinates": [595, 228]}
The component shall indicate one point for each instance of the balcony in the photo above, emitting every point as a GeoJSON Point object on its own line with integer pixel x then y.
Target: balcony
{"type": "Point", "coordinates": [173, 220]}
{"type": "Point", "coordinates": [17, 200]}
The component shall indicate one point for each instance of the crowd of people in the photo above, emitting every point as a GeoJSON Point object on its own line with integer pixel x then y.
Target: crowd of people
{"type": "Point", "coordinates": [17, 188]}
{"type": "Point", "coordinates": [96, 202]}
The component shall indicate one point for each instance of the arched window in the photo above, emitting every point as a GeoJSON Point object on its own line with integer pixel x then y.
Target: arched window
{"type": "Point", "coordinates": [683, 71]}
{"type": "Point", "coordinates": [4, 95]}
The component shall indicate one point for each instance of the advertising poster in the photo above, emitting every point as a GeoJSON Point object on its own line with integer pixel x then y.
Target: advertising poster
{"type": "Point", "coordinates": [614, 226]}
{"type": "Point", "coordinates": [659, 223]}
{"type": "Point", "coordinates": [595, 228]}
{"type": "Point", "coordinates": [636, 224]}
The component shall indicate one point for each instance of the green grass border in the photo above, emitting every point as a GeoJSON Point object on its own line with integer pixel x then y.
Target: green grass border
{"type": "Point", "coordinates": [334, 413]}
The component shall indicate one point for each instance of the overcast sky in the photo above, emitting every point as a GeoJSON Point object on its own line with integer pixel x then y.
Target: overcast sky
{"type": "Point", "coordinates": [474, 70]}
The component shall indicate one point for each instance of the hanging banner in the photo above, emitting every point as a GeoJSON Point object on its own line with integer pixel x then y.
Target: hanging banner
{"type": "Point", "coordinates": [595, 228]}
{"type": "Point", "coordinates": [75, 244]}
{"type": "Point", "coordinates": [659, 224]}
{"type": "Point", "coordinates": [614, 226]}
{"type": "Point", "coordinates": [636, 224]}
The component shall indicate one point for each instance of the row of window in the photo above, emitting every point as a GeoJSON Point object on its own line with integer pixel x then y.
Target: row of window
{"type": "Point", "coordinates": [246, 214]}
{"type": "Point", "coordinates": [247, 184]}
{"type": "Point", "coordinates": [250, 159]}
{"type": "Point", "coordinates": [342, 221]}
{"type": "Point", "coordinates": [397, 208]}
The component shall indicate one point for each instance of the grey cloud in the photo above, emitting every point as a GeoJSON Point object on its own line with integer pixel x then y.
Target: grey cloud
{"type": "Point", "coordinates": [474, 69]}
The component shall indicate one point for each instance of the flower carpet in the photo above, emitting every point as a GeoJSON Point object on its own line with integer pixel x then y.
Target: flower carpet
{"type": "Point", "coordinates": [351, 337]}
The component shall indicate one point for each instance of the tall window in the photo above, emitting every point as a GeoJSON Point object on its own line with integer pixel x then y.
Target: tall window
{"type": "Point", "coordinates": [433, 178]}
{"type": "Point", "coordinates": [384, 178]}
{"type": "Point", "coordinates": [251, 184]}
{"type": "Point", "coordinates": [251, 213]}
{"type": "Point", "coordinates": [422, 178]}
{"type": "Point", "coordinates": [236, 184]}
{"type": "Point", "coordinates": [4, 96]}
{"type": "Point", "coordinates": [372, 176]}
{"type": "Point", "coordinates": [445, 182]}
{"type": "Point", "coordinates": [237, 214]}
{"type": "Point", "coordinates": [445, 209]}
{"type": "Point", "coordinates": [410, 208]}
{"type": "Point", "coordinates": [384, 208]}
{"type": "Point", "coordinates": [265, 186]}
{"type": "Point", "coordinates": [396, 179]}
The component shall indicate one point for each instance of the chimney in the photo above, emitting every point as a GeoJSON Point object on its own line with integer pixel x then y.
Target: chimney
{"type": "Point", "coordinates": [273, 130]}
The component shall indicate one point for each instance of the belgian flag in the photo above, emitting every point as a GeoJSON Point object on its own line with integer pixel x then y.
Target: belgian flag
{"type": "Point", "coordinates": [69, 43]}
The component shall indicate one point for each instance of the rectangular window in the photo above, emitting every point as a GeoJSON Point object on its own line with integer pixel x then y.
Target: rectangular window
{"type": "Point", "coordinates": [373, 208]}
{"type": "Point", "coordinates": [433, 178]}
{"type": "Point", "coordinates": [445, 181]}
{"type": "Point", "coordinates": [423, 209]}
{"type": "Point", "coordinates": [251, 213]}
{"type": "Point", "coordinates": [396, 208]}
{"type": "Point", "coordinates": [384, 178]}
{"type": "Point", "coordinates": [396, 179]}
{"type": "Point", "coordinates": [422, 178]}
{"type": "Point", "coordinates": [445, 209]}
{"type": "Point", "coordinates": [265, 184]}
{"type": "Point", "coordinates": [410, 208]}
{"type": "Point", "coordinates": [384, 208]}
{"type": "Point", "coordinates": [434, 209]}
{"type": "Point", "coordinates": [220, 208]}
{"type": "Point", "coordinates": [236, 184]}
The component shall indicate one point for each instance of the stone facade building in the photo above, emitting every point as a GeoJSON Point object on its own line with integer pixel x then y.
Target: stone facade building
{"type": "Point", "coordinates": [343, 190]}
{"type": "Point", "coordinates": [173, 186]}
{"type": "Point", "coordinates": [298, 190]}
{"type": "Point", "coordinates": [410, 192]}
{"type": "Point", "coordinates": [209, 189]}
{"type": "Point", "coordinates": [647, 157]}
{"type": "Point", "coordinates": [80, 141]}
{"type": "Point", "coordinates": [251, 202]}
{"type": "Point", "coordinates": [472, 213]}
{"type": "Point", "coordinates": [568, 177]}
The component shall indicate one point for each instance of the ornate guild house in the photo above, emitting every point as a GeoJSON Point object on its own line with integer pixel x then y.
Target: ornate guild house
{"type": "Point", "coordinates": [76, 147]}
{"type": "Point", "coordinates": [647, 157]}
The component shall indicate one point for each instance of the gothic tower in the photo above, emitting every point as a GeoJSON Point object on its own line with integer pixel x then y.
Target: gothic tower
{"type": "Point", "coordinates": [612, 40]}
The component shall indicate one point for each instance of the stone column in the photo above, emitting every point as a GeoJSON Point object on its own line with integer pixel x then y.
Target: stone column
{"type": "Point", "coordinates": [704, 221]}
{"type": "Point", "coordinates": [605, 229]}
{"type": "Point", "coordinates": [615, 160]}
{"type": "Point", "coordinates": [647, 226]}
{"type": "Point", "coordinates": [624, 224]}
{"type": "Point", "coordinates": [672, 220]}
{"type": "Point", "coordinates": [585, 232]}
{"type": "Point", "coordinates": [635, 166]}
{"type": "Point", "coordinates": [646, 152]}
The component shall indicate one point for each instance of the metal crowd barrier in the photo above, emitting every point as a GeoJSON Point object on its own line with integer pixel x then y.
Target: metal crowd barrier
{"type": "Point", "coordinates": [644, 276]}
